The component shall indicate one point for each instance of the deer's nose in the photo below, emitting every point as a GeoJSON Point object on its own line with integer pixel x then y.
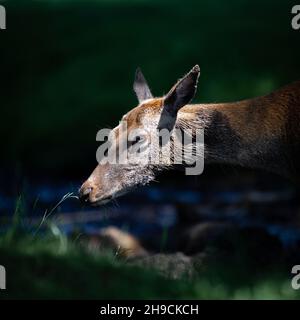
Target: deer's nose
{"type": "Point", "coordinates": [84, 193]}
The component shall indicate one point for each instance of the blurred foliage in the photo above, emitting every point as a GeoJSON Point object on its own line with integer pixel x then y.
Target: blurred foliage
{"type": "Point", "coordinates": [67, 66]}
{"type": "Point", "coordinates": [51, 266]}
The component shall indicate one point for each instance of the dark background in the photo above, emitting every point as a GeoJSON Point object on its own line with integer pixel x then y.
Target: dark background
{"type": "Point", "coordinates": [66, 71]}
{"type": "Point", "coordinates": [67, 67]}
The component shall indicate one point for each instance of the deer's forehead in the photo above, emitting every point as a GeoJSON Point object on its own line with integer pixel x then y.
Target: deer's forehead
{"type": "Point", "coordinates": [148, 109]}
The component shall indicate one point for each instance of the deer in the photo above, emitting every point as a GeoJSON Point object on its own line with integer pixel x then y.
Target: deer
{"type": "Point", "coordinates": [258, 133]}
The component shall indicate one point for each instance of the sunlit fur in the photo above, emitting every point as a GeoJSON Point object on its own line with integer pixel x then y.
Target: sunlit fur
{"type": "Point", "coordinates": [259, 133]}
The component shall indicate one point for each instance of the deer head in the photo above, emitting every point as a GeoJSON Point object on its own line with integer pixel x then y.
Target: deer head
{"type": "Point", "coordinates": [133, 137]}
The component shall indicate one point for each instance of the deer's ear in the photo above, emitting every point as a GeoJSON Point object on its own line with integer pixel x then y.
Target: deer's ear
{"type": "Point", "coordinates": [140, 87]}
{"type": "Point", "coordinates": [181, 94]}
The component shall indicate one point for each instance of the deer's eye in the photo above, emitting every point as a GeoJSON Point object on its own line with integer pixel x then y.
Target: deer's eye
{"type": "Point", "coordinates": [135, 141]}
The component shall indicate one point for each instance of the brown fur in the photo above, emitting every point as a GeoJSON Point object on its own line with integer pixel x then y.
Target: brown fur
{"type": "Point", "coordinates": [151, 107]}
{"type": "Point", "coordinates": [270, 121]}
{"type": "Point", "coordinates": [262, 116]}
{"type": "Point", "coordinates": [252, 118]}
{"type": "Point", "coordinates": [256, 122]}
{"type": "Point", "coordinates": [261, 133]}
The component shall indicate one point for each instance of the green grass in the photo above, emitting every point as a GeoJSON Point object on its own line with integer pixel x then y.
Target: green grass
{"type": "Point", "coordinates": [50, 266]}
{"type": "Point", "coordinates": [48, 269]}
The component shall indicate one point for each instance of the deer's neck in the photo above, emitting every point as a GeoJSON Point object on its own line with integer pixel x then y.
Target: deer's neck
{"type": "Point", "coordinates": [248, 133]}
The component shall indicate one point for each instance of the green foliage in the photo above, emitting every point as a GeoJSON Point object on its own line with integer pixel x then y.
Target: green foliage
{"type": "Point", "coordinates": [46, 268]}
{"type": "Point", "coordinates": [52, 266]}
